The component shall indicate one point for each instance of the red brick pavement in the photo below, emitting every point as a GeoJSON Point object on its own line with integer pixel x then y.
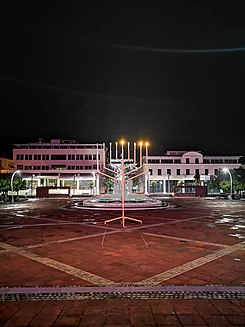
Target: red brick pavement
{"type": "Point", "coordinates": [48, 243]}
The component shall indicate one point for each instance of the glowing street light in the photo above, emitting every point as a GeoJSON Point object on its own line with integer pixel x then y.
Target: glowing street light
{"type": "Point", "coordinates": [11, 183]}
{"type": "Point", "coordinates": [226, 170]}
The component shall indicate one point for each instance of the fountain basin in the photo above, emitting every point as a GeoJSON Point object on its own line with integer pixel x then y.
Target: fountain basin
{"type": "Point", "coordinates": [103, 203]}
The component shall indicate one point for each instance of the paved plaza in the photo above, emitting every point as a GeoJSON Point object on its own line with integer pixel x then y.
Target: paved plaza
{"type": "Point", "coordinates": [63, 266]}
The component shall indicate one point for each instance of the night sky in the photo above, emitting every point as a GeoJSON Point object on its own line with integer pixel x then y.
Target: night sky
{"type": "Point", "coordinates": [170, 72]}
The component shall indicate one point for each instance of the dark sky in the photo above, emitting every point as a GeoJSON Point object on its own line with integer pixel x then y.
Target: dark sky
{"type": "Point", "coordinates": [170, 72]}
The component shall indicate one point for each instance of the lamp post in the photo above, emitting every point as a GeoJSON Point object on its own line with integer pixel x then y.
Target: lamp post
{"type": "Point", "coordinates": [32, 184]}
{"type": "Point", "coordinates": [226, 170]}
{"type": "Point", "coordinates": [11, 183]}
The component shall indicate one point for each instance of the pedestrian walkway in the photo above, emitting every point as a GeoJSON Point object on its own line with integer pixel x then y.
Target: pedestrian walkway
{"type": "Point", "coordinates": [183, 266]}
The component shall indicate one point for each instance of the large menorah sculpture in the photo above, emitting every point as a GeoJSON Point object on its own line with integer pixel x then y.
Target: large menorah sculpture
{"type": "Point", "coordinates": [125, 171]}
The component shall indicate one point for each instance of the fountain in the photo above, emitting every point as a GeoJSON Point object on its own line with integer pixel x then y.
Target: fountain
{"type": "Point", "coordinates": [123, 171]}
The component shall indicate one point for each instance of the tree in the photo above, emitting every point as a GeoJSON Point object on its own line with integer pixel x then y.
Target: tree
{"type": "Point", "coordinates": [19, 185]}
{"type": "Point", "coordinates": [239, 180]}
{"type": "Point", "coordinates": [197, 178]}
{"type": "Point", "coordinates": [136, 183]}
{"type": "Point", "coordinates": [225, 185]}
{"type": "Point", "coordinates": [108, 184]}
{"type": "Point", "coordinates": [214, 183]}
{"type": "Point", "coordinates": [91, 185]}
{"type": "Point", "coordinates": [4, 187]}
{"type": "Point", "coordinates": [153, 185]}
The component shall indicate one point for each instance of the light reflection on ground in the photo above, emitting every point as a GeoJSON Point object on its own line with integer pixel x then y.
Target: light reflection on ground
{"type": "Point", "coordinates": [235, 222]}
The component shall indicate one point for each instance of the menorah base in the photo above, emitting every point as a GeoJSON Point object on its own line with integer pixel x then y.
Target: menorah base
{"type": "Point", "coordinates": [123, 218]}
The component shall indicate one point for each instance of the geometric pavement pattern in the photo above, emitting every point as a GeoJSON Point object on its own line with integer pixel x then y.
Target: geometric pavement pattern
{"type": "Point", "coordinates": [106, 288]}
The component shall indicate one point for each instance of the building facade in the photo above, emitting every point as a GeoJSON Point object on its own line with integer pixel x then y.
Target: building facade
{"type": "Point", "coordinates": [69, 164]}
{"type": "Point", "coordinates": [180, 168]}
{"type": "Point", "coordinates": [6, 165]}
{"type": "Point", "coordinates": [60, 163]}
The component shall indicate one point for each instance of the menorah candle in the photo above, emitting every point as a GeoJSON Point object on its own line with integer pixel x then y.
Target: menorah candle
{"type": "Point", "coordinates": [97, 157]}
{"type": "Point", "coordinates": [134, 153]}
{"type": "Point", "coordinates": [146, 155]}
{"type": "Point", "coordinates": [116, 150]}
{"type": "Point", "coordinates": [140, 154]}
{"type": "Point", "coordinates": [122, 151]}
{"type": "Point", "coordinates": [110, 152]}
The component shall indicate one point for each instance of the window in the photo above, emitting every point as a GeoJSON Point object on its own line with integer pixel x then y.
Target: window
{"type": "Point", "coordinates": [166, 160]}
{"type": "Point", "coordinates": [197, 172]}
{"type": "Point", "coordinates": [206, 172]}
{"type": "Point", "coordinates": [88, 156]}
{"type": "Point", "coordinates": [37, 156]}
{"type": "Point", "coordinates": [58, 157]}
{"type": "Point", "coordinates": [36, 167]}
{"type": "Point", "coordinates": [178, 172]}
{"type": "Point", "coordinates": [58, 167]}
{"type": "Point", "coordinates": [150, 171]}
{"type": "Point", "coordinates": [79, 157]}
{"type": "Point", "coordinates": [168, 171]}
{"type": "Point", "coordinates": [28, 156]}
{"type": "Point", "coordinates": [177, 161]}
{"type": "Point", "coordinates": [187, 160]}
{"type": "Point", "coordinates": [216, 160]}
{"type": "Point", "coordinates": [71, 156]}
{"type": "Point", "coordinates": [216, 172]}
{"type": "Point", "coordinates": [187, 172]}
{"type": "Point", "coordinates": [206, 161]}
{"type": "Point", "coordinates": [45, 157]}
{"type": "Point", "coordinates": [159, 172]}
{"type": "Point", "coordinates": [20, 157]}
{"type": "Point", "coordinates": [196, 160]}
{"type": "Point", "coordinates": [154, 161]}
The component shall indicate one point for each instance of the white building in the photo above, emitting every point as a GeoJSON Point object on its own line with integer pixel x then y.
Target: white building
{"type": "Point", "coordinates": [179, 168]}
{"type": "Point", "coordinates": [60, 163]}
{"type": "Point", "coordinates": [67, 163]}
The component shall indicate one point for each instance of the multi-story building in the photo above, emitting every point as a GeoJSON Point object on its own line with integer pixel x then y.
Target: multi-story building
{"type": "Point", "coordinates": [60, 163]}
{"type": "Point", "coordinates": [179, 168]}
{"type": "Point", "coordinates": [6, 165]}
{"type": "Point", "coordinates": [67, 163]}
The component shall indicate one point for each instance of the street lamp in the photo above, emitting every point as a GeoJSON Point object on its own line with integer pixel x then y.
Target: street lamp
{"type": "Point", "coordinates": [11, 183]}
{"type": "Point", "coordinates": [226, 170]}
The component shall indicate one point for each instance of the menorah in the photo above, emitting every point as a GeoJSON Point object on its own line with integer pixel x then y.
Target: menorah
{"type": "Point", "coordinates": [127, 170]}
